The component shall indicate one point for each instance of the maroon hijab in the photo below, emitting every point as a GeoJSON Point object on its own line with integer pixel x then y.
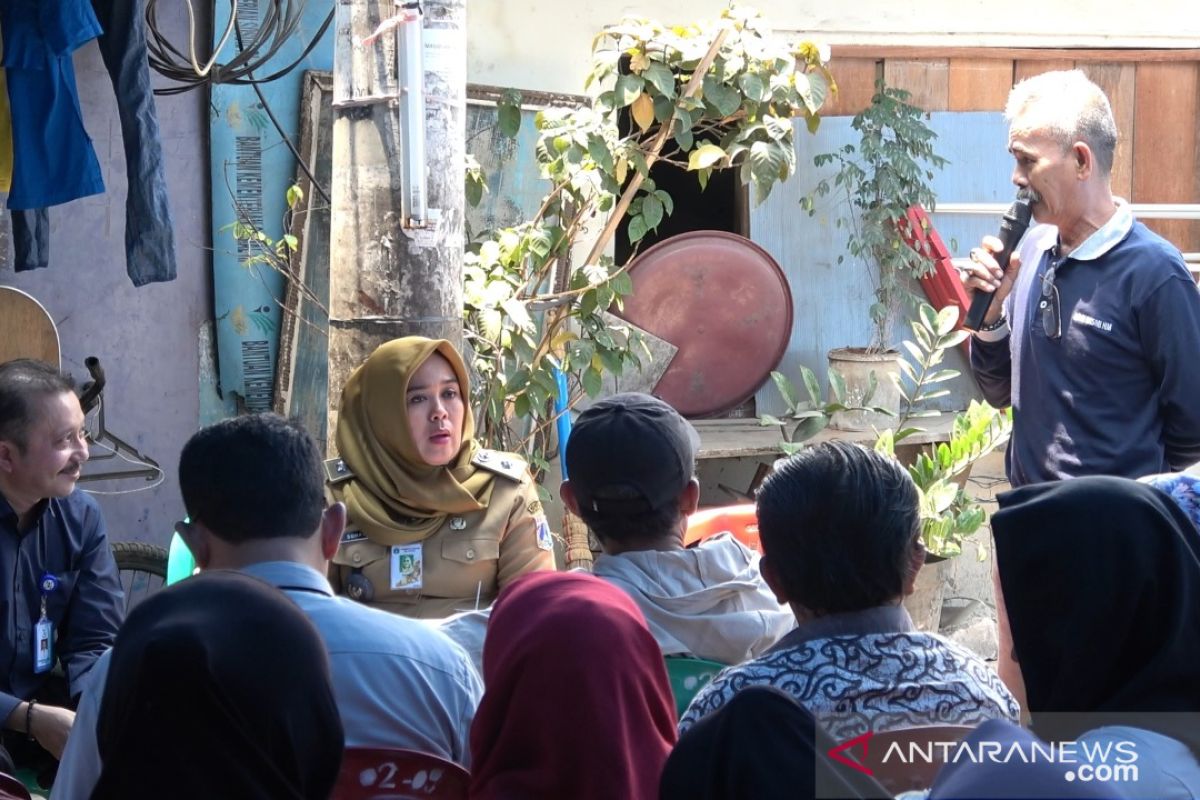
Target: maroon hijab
{"type": "Point", "coordinates": [576, 701]}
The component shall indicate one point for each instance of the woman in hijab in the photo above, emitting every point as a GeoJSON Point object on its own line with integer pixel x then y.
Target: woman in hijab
{"type": "Point", "coordinates": [437, 524]}
{"type": "Point", "coordinates": [576, 700]}
{"type": "Point", "coordinates": [218, 687]}
{"type": "Point", "coordinates": [1100, 580]}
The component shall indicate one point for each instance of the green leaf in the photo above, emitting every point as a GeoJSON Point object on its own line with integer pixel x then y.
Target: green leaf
{"type": "Point", "coordinates": [786, 390]}
{"type": "Point", "coordinates": [295, 196]}
{"type": "Point", "coordinates": [683, 136]}
{"type": "Point", "coordinates": [725, 99]}
{"type": "Point", "coordinates": [661, 77]}
{"type": "Point", "coordinates": [914, 351]}
{"type": "Point", "coordinates": [621, 284]}
{"type": "Point", "coordinates": [665, 199]}
{"type": "Point", "coordinates": [904, 433]}
{"type": "Point", "coordinates": [509, 119]}
{"type": "Point", "coordinates": [947, 318]}
{"type": "Point", "coordinates": [811, 385]}
{"type": "Point", "coordinates": [637, 229]}
{"type": "Point", "coordinates": [790, 448]}
{"type": "Point", "coordinates": [628, 89]}
{"type": "Point", "coordinates": [818, 91]}
{"type": "Point", "coordinates": [705, 156]}
{"type": "Point", "coordinates": [766, 160]}
{"type": "Point", "coordinates": [767, 420]}
{"type": "Point", "coordinates": [652, 211]}
{"type": "Point", "coordinates": [518, 313]}
{"type": "Point", "coordinates": [872, 385]}
{"type": "Point", "coordinates": [474, 192]}
{"type": "Point", "coordinates": [941, 375]}
{"type": "Point", "coordinates": [929, 318]}
{"type": "Point", "coordinates": [592, 381]}
{"type": "Point", "coordinates": [778, 128]}
{"type": "Point", "coordinates": [810, 427]}
{"type": "Point", "coordinates": [753, 86]}
{"type": "Point", "coordinates": [838, 384]}
{"type": "Point", "coordinates": [955, 339]}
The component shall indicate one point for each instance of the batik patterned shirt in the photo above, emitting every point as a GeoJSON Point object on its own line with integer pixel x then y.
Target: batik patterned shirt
{"type": "Point", "coordinates": [868, 670]}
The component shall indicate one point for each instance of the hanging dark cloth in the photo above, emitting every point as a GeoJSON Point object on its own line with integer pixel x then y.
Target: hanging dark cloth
{"type": "Point", "coordinates": [149, 230]}
{"type": "Point", "coordinates": [54, 161]}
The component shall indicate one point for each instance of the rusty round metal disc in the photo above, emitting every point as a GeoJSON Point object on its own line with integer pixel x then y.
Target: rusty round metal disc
{"type": "Point", "coordinates": [725, 303]}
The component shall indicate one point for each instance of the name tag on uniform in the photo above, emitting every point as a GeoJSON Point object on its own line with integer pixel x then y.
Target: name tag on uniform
{"type": "Point", "coordinates": [43, 646]}
{"type": "Point", "coordinates": [43, 630]}
{"type": "Point", "coordinates": [407, 564]}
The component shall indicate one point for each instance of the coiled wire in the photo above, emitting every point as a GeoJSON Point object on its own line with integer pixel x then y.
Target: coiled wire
{"type": "Point", "coordinates": [279, 21]}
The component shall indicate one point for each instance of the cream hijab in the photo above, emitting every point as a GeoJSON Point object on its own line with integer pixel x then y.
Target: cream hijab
{"type": "Point", "coordinates": [394, 496]}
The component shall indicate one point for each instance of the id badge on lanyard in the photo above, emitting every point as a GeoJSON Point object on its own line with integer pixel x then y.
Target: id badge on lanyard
{"type": "Point", "coordinates": [43, 630]}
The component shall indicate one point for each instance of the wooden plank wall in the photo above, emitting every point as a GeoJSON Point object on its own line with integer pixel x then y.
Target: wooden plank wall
{"type": "Point", "coordinates": [1155, 96]}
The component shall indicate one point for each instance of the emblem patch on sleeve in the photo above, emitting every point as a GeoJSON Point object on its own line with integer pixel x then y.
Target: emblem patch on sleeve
{"type": "Point", "coordinates": [545, 541]}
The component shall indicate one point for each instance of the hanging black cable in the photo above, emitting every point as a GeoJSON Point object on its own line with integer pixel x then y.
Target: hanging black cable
{"type": "Point", "coordinates": [278, 24]}
{"type": "Point", "coordinates": [281, 21]}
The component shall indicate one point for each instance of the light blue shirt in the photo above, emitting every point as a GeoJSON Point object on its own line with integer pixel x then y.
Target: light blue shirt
{"type": "Point", "coordinates": [398, 682]}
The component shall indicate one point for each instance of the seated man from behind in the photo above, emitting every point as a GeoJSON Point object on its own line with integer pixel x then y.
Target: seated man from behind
{"type": "Point", "coordinates": [253, 488]}
{"type": "Point", "coordinates": [842, 545]}
{"type": "Point", "coordinates": [630, 466]}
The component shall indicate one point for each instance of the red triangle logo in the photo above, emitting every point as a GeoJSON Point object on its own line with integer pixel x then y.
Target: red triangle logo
{"type": "Point", "coordinates": [840, 755]}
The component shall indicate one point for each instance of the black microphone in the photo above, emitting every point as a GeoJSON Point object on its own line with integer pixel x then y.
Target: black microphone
{"type": "Point", "coordinates": [1012, 228]}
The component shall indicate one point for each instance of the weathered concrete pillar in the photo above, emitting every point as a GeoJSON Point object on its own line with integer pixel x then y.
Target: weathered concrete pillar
{"type": "Point", "coordinates": [391, 276]}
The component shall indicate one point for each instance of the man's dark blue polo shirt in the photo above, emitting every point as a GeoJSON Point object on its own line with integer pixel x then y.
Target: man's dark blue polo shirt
{"type": "Point", "coordinates": [69, 542]}
{"type": "Point", "coordinates": [1117, 392]}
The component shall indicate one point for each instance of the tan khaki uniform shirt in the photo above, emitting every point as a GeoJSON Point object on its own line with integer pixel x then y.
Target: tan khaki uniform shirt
{"type": "Point", "coordinates": [465, 561]}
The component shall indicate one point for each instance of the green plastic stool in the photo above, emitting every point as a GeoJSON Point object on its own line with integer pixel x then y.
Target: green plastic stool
{"type": "Point", "coordinates": [688, 676]}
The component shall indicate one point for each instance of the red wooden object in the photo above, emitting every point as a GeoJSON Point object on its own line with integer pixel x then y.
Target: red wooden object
{"type": "Point", "coordinates": [942, 286]}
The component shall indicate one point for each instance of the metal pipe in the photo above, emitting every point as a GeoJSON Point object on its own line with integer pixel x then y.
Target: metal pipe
{"type": "Point", "coordinates": [410, 56]}
{"type": "Point", "coordinates": [1140, 210]}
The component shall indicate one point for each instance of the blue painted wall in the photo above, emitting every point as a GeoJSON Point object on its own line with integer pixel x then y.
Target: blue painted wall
{"type": "Point", "coordinates": [831, 299]}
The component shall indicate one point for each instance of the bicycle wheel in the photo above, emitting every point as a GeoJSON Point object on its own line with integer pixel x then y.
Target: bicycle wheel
{"type": "Point", "coordinates": [143, 569]}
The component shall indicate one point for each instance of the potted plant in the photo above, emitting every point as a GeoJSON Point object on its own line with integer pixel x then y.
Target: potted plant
{"type": "Point", "coordinates": [949, 515]}
{"type": "Point", "coordinates": [882, 177]}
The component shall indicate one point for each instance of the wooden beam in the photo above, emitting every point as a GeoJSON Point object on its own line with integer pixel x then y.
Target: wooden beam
{"type": "Point", "coordinates": [979, 84]}
{"type": "Point", "coordinates": [927, 81]}
{"type": "Point", "coordinates": [1073, 55]}
{"type": "Point", "coordinates": [1118, 82]}
{"type": "Point", "coordinates": [855, 79]}
{"type": "Point", "coordinates": [1027, 68]}
{"type": "Point", "coordinates": [1164, 145]}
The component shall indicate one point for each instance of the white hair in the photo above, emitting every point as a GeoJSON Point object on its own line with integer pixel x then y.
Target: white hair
{"type": "Point", "coordinates": [1068, 106]}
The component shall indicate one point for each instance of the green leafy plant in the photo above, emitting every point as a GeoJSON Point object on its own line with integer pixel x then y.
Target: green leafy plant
{"type": "Point", "coordinates": [882, 177]}
{"type": "Point", "coordinates": [806, 418]}
{"type": "Point", "coordinates": [948, 513]}
{"type": "Point", "coordinates": [263, 252]}
{"type": "Point", "coordinates": [704, 97]}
